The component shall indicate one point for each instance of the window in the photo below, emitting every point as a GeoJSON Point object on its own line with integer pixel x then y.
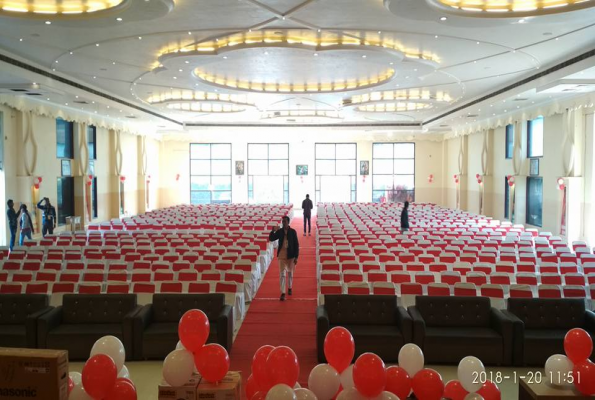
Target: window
{"type": "Point", "coordinates": [94, 198]}
{"type": "Point", "coordinates": [268, 173]}
{"type": "Point", "coordinates": [210, 173]}
{"type": "Point", "coordinates": [393, 172]}
{"type": "Point", "coordinates": [535, 138]}
{"type": "Point", "coordinates": [65, 199]}
{"type": "Point", "coordinates": [64, 139]}
{"type": "Point", "coordinates": [336, 172]}
{"type": "Point", "coordinates": [92, 142]}
{"type": "Point", "coordinates": [509, 140]}
{"type": "Point", "coordinates": [506, 199]}
{"type": "Point", "coordinates": [534, 201]}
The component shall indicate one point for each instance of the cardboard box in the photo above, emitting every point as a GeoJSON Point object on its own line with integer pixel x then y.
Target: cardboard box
{"type": "Point", "coordinates": [185, 392]}
{"type": "Point", "coordinates": [230, 388]}
{"type": "Point", "coordinates": [33, 374]}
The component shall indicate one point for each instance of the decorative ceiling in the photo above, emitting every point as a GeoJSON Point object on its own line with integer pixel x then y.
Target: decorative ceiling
{"type": "Point", "coordinates": [401, 62]}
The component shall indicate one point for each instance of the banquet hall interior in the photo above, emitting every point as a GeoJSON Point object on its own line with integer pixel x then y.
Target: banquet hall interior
{"type": "Point", "coordinates": [156, 144]}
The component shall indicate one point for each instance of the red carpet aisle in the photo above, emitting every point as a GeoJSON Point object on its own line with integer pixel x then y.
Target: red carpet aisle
{"type": "Point", "coordinates": [290, 323]}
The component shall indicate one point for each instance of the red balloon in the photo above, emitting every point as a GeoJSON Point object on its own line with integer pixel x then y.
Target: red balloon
{"type": "Point", "coordinates": [123, 389]}
{"type": "Point", "coordinates": [251, 387]}
{"type": "Point", "coordinates": [194, 330]}
{"type": "Point", "coordinates": [70, 385]}
{"type": "Point", "coordinates": [283, 366]}
{"type": "Point", "coordinates": [578, 345]}
{"type": "Point", "coordinates": [99, 375]}
{"type": "Point", "coordinates": [584, 377]}
{"type": "Point", "coordinates": [428, 385]}
{"type": "Point", "coordinates": [398, 382]}
{"type": "Point", "coordinates": [212, 362]}
{"type": "Point", "coordinates": [369, 375]}
{"type": "Point", "coordinates": [455, 391]}
{"type": "Point", "coordinates": [489, 391]}
{"type": "Point", "coordinates": [259, 396]}
{"type": "Point", "coordinates": [259, 368]}
{"type": "Point", "coordinates": [339, 348]}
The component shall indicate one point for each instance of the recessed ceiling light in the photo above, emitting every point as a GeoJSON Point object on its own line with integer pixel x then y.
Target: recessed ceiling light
{"type": "Point", "coordinates": [187, 62]}
{"type": "Point", "coordinates": [65, 104]}
{"type": "Point", "coordinates": [113, 63]}
{"type": "Point", "coordinates": [522, 21]}
{"type": "Point", "coordinates": [21, 39]}
{"type": "Point", "coordinates": [119, 19]}
{"type": "Point", "coordinates": [364, 56]}
{"type": "Point", "coordinates": [319, 31]}
{"type": "Point", "coordinates": [315, 54]}
{"type": "Point", "coordinates": [96, 44]}
{"type": "Point", "coordinates": [266, 53]}
{"type": "Point", "coordinates": [379, 32]}
{"type": "Point", "coordinates": [48, 22]}
{"type": "Point", "coordinates": [76, 97]}
{"type": "Point", "coordinates": [107, 106]}
{"type": "Point", "coordinates": [225, 57]}
{"type": "Point", "coordinates": [180, 70]}
{"type": "Point", "coordinates": [391, 63]}
{"type": "Point", "coordinates": [436, 37]}
{"type": "Point", "coordinates": [190, 33]}
{"type": "Point", "coordinates": [415, 70]}
{"type": "Point", "coordinates": [140, 37]}
{"type": "Point", "coordinates": [443, 18]}
{"type": "Point", "coordinates": [175, 77]}
{"type": "Point", "coordinates": [94, 77]}
{"type": "Point", "coordinates": [92, 102]}
{"type": "Point", "coordinates": [71, 53]}
{"type": "Point", "coordinates": [477, 43]}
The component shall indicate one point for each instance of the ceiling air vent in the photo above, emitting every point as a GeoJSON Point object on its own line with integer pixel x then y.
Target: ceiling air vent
{"type": "Point", "coordinates": [130, 116]}
{"type": "Point", "coordinates": [18, 90]}
{"type": "Point", "coordinates": [472, 116]}
{"type": "Point", "coordinates": [520, 99]}
{"type": "Point", "coordinates": [33, 94]}
{"type": "Point", "coordinates": [80, 102]}
{"type": "Point", "coordinates": [568, 86]}
{"type": "Point", "coordinates": [291, 120]}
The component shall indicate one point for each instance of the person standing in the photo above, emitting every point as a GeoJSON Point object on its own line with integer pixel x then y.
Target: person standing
{"type": "Point", "coordinates": [13, 219]}
{"type": "Point", "coordinates": [287, 252]}
{"type": "Point", "coordinates": [26, 225]}
{"type": "Point", "coordinates": [405, 217]}
{"type": "Point", "coordinates": [49, 216]}
{"type": "Point", "coordinates": [307, 206]}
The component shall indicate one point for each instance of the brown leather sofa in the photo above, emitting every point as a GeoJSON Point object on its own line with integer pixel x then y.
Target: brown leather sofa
{"type": "Point", "coordinates": [541, 324]}
{"type": "Point", "coordinates": [83, 318]}
{"type": "Point", "coordinates": [156, 325]}
{"type": "Point", "coordinates": [18, 318]}
{"type": "Point", "coordinates": [449, 328]}
{"type": "Point", "coordinates": [377, 324]}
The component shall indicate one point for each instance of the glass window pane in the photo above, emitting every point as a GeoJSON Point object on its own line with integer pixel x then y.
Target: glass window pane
{"type": "Point", "coordinates": [382, 182]}
{"type": "Point", "coordinates": [346, 167]}
{"type": "Point", "coordinates": [534, 201]}
{"type": "Point", "coordinates": [325, 151]}
{"type": "Point", "coordinates": [200, 197]}
{"type": "Point", "coordinates": [378, 195]}
{"type": "Point", "coordinates": [279, 151]}
{"type": "Point", "coordinates": [200, 151]}
{"type": "Point", "coordinates": [258, 167]}
{"type": "Point", "coordinates": [404, 167]}
{"type": "Point", "coordinates": [404, 150]}
{"type": "Point", "coordinates": [221, 151]}
{"type": "Point", "coordinates": [536, 137]}
{"type": "Point", "coordinates": [382, 167]}
{"type": "Point", "coordinates": [382, 150]}
{"type": "Point", "coordinates": [325, 167]}
{"type": "Point", "coordinates": [221, 183]}
{"type": "Point", "coordinates": [509, 140]}
{"type": "Point", "coordinates": [200, 182]}
{"type": "Point", "coordinates": [220, 167]}
{"type": "Point", "coordinates": [200, 167]}
{"type": "Point", "coordinates": [278, 167]}
{"type": "Point", "coordinates": [404, 182]}
{"type": "Point", "coordinates": [346, 151]}
{"type": "Point", "coordinates": [221, 197]}
{"type": "Point", "coordinates": [258, 151]}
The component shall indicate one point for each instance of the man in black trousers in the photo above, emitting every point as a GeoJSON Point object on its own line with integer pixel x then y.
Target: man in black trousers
{"type": "Point", "coordinates": [287, 252]}
{"type": "Point", "coordinates": [307, 206]}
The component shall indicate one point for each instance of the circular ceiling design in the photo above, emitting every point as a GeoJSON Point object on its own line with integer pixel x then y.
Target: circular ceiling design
{"type": "Point", "coordinates": [57, 7]}
{"type": "Point", "coordinates": [510, 8]}
{"type": "Point", "coordinates": [201, 102]}
{"type": "Point", "coordinates": [395, 107]}
{"type": "Point", "coordinates": [391, 96]}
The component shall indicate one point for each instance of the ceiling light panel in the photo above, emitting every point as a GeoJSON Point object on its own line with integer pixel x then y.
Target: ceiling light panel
{"type": "Point", "coordinates": [510, 8]}
{"type": "Point", "coordinates": [61, 7]}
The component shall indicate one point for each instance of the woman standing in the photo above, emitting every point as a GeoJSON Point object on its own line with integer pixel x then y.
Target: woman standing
{"type": "Point", "coordinates": [26, 225]}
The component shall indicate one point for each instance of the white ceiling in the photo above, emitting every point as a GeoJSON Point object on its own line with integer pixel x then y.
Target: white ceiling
{"type": "Point", "coordinates": [476, 56]}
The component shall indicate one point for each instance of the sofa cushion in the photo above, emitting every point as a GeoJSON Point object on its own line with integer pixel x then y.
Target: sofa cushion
{"type": "Point", "coordinates": [540, 344]}
{"type": "Point", "coordinates": [171, 307]}
{"type": "Point", "coordinates": [361, 309]}
{"type": "Point", "coordinates": [13, 336]}
{"type": "Point", "coordinates": [79, 339]}
{"type": "Point", "coordinates": [383, 340]}
{"type": "Point", "coordinates": [14, 308]}
{"type": "Point", "coordinates": [549, 313]}
{"type": "Point", "coordinates": [451, 344]}
{"type": "Point", "coordinates": [448, 311]}
{"type": "Point", "coordinates": [96, 308]}
{"type": "Point", "coordinates": [159, 339]}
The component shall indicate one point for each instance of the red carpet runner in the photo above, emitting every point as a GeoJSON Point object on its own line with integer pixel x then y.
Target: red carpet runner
{"type": "Point", "coordinates": [290, 323]}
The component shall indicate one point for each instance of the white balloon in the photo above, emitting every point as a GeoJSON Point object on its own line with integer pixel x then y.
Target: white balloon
{"type": "Point", "coordinates": [347, 378]}
{"type": "Point", "coordinates": [297, 386]}
{"type": "Point", "coordinates": [411, 359]}
{"type": "Point", "coordinates": [324, 381]}
{"type": "Point", "coordinates": [78, 393]}
{"type": "Point", "coordinates": [110, 346]}
{"type": "Point", "coordinates": [386, 396]}
{"type": "Point", "coordinates": [350, 394]}
{"type": "Point", "coordinates": [557, 368]}
{"type": "Point", "coordinates": [281, 392]}
{"type": "Point", "coordinates": [76, 377]}
{"type": "Point", "coordinates": [304, 394]}
{"type": "Point", "coordinates": [178, 367]}
{"type": "Point", "coordinates": [469, 371]}
{"type": "Point", "coordinates": [474, 396]}
{"type": "Point", "coordinates": [124, 373]}
{"type": "Point", "coordinates": [180, 346]}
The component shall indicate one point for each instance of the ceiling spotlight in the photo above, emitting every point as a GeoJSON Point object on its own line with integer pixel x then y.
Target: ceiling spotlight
{"type": "Point", "coordinates": [48, 99]}
{"type": "Point", "coordinates": [180, 70]}
{"type": "Point", "coordinates": [319, 31]}
{"type": "Point", "coordinates": [225, 57]}
{"type": "Point", "coordinates": [364, 56]}
{"type": "Point", "coordinates": [71, 53]}
{"type": "Point", "coordinates": [391, 63]}
{"type": "Point", "coordinates": [113, 63]}
{"type": "Point", "coordinates": [477, 43]}
{"type": "Point", "coordinates": [140, 37]}
{"type": "Point", "coordinates": [266, 53]}
{"type": "Point", "coordinates": [96, 44]}
{"type": "Point", "coordinates": [436, 37]}
{"type": "Point", "coordinates": [94, 77]}
{"type": "Point", "coordinates": [522, 21]}
{"type": "Point", "coordinates": [190, 33]}
{"type": "Point", "coordinates": [21, 39]}
{"type": "Point", "coordinates": [315, 54]}
{"type": "Point", "coordinates": [48, 22]}
{"type": "Point", "coordinates": [119, 19]}
{"type": "Point", "coordinates": [65, 104]}
{"type": "Point", "coordinates": [175, 77]}
{"type": "Point", "coordinates": [187, 62]}
{"type": "Point", "coordinates": [443, 18]}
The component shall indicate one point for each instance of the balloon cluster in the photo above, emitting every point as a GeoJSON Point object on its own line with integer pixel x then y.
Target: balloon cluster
{"type": "Point", "coordinates": [37, 181]}
{"type": "Point", "coordinates": [479, 178]}
{"type": "Point", "coordinates": [210, 360]}
{"type": "Point", "coordinates": [90, 181]}
{"type": "Point", "coordinates": [574, 368]}
{"type": "Point", "coordinates": [122, 178]}
{"type": "Point", "coordinates": [275, 371]}
{"type": "Point", "coordinates": [472, 383]}
{"type": "Point", "coordinates": [104, 377]}
{"type": "Point", "coordinates": [510, 180]}
{"type": "Point", "coordinates": [431, 178]}
{"type": "Point", "coordinates": [561, 184]}
{"type": "Point", "coordinates": [456, 178]}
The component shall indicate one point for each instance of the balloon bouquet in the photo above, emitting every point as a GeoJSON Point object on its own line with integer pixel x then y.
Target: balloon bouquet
{"type": "Point", "coordinates": [104, 377]}
{"type": "Point", "coordinates": [210, 360]}
{"type": "Point", "coordinates": [470, 386]}
{"type": "Point", "coordinates": [574, 368]}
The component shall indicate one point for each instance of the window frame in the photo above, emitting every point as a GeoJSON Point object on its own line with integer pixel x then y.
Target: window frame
{"type": "Point", "coordinates": [61, 213]}
{"type": "Point", "coordinates": [530, 137]}
{"type": "Point", "coordinates": [528, 205]}
{"type": "Point", "coordinates": [68, 137]}
{"type": "Point", "coordinates": [92, 131]}
{"type": "Point", "coordinates": [411, 193]}
{"type": "Point", "coordinates": [211, 159]}
{"type": "Point", "coordinates": [318, 177]}
{"type": "Point", "coordinates": [286, 181]}
{"type": "Point", "coordinates": [509, 141]}
{"type": "Point", "coordinates": [506, 199]}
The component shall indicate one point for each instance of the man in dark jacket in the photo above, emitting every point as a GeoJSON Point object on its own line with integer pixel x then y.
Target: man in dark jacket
{"type": "Point", "coordinates": [13, 218]}
{"type": "Point", "coordinates": [307, 206]}
{"type": "Point", "coordinates": [49, 216]}
{"type": "Point", "coordinates": [405, 217]}
{"type": "Point", "coordinates": [287, 252]}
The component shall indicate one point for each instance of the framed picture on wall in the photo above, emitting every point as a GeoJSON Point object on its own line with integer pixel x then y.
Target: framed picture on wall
{"type": "Point", "coordinates": [534, 167]}
{"type": "Point", "coordinates": [364, 168]}
{"type": "Point", "coordinates": [301, 170]}
{"type": "Point", "coordinates": [66, 171]}
{"type": "Point", "coordinates": [239, 168]}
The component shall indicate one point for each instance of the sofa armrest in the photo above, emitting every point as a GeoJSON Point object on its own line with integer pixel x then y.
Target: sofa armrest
{"type": "Point", "coordinates": [140, 321]}
{"type": "Point", "coordinates": [225, 327]}
{"type": "Point", "coordinates": [46, 323]}
{"type": "Point", "coordinates": [31, 326]}
{"type": "Point", "coordinates": [503, 325]}
{"type": "Point", "coordinates": [128, 333]}
{"type": "Point", "coordinates": [590, 321]}
{"type": "Point", "coordinates": [405, 323]}
{"type": "Point", "coordinates": [323, 325]}
{"type": "Point", "coordinates": [518, 333]}
{"type": "Point", "coordinates": [419, 326]}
